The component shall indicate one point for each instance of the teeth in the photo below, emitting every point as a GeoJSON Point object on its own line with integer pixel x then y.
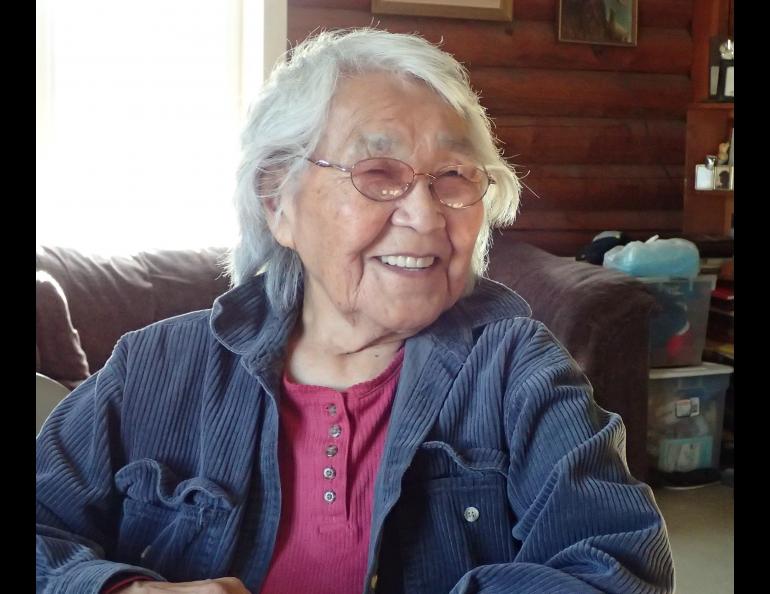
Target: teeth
{"type": "Point", "coordinates": [407, 261]}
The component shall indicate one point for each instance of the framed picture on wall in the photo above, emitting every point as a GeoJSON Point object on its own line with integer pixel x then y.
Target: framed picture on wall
{"type": "Point", "coordinates": [723, 177]}
{"type": "Point", "coordinates": [599, 22]}
{"type": "Point", "coordinates": [487, 10]}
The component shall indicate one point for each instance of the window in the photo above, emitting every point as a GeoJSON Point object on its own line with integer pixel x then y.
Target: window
{"type": "Point", "coordinates": [139, 110]}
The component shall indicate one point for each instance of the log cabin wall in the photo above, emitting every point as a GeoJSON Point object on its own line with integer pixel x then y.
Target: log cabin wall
{"type": "Point", "coordinates": [598, 131]}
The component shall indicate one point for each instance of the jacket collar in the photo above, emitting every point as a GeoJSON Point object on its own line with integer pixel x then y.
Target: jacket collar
{"type": "Point", "coordinates": [490, 301]}
{"type": "Point", "coordinates": [243, 320]}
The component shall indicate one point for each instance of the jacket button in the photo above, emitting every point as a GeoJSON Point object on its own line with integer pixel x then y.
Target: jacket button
{"type": "Point", "coordinates": [471, 514]}
{"type": "Point", "coordinates": [335, 431]}
{"type": "Point", "coordinates": [329, 473]}
{"type": "Point", "coordinates": [331, 409]}
{"type": "Point", "coordinates": [330, 496]}
{"type": "Point", "coordinates": [331, 451]}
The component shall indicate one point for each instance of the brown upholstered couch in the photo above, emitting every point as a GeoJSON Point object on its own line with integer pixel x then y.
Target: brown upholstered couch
{"type": "Point", "coordinates": [85, 303]}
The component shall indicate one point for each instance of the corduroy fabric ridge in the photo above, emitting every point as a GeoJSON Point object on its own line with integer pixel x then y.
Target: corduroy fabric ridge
{"type": "Point", "coordinates": [165, 463]}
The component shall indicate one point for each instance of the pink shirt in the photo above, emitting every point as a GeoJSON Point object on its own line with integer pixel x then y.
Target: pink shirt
{"type": "Point", "coordinates": [330, 446]}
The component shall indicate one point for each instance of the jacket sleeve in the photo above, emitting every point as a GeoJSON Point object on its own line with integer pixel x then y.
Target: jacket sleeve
{"type": "Point", "coordinates": [584, 524]}
{"type": "Point", "coordinates": [77, 509]}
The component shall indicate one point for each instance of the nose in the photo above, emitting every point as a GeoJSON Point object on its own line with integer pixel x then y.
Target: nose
{"type": "Point", "coordinates": [418, 208]}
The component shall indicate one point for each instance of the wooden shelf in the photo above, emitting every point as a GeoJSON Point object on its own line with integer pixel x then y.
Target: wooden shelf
{"type": "Point", "coordinates": [706, 211]}
{"type": "Point", "coordinates": [725, 194]}
{"type": "Point", "coordinates": [721, 105]}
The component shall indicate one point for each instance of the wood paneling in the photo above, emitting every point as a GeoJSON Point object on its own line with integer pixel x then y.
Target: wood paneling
{"type": "Point", "coordinates": [651, 220]}
{"type": "Point", "coordinates": [601, 187]}
{"type": "Point", "coordinates": [597, 132]}
{"type": "Point", "coordinates": [672, 14]}
{"type": "Point", "coordinates": [578, 93]}
{"type": "Point", "coordinates": [601, 194]}
{"type": "Point", "coordinates": [532, 44]}
{"type": "Point", "coordinates": [528, 139]}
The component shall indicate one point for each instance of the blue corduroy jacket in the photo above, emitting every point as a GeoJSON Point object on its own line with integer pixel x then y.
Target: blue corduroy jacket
{"type": "Point", "coordinates": [165, 462]}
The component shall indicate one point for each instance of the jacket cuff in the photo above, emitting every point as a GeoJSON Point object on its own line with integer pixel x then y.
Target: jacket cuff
{"type": "Point", "coordinates": [91, 577]}
{"type": "Point", "coordinates": [121, 581]}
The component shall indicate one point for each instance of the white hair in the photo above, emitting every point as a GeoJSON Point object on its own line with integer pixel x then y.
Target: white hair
{"type": "Point", "coordinates": [289, 117]}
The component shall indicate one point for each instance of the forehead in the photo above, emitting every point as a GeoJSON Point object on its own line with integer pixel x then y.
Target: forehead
{"type": "Point", "coordinates": [382, 113]}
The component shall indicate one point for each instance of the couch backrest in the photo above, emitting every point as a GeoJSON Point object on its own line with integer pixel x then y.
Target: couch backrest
{"type": "Point", "coordinates": [109, 296]}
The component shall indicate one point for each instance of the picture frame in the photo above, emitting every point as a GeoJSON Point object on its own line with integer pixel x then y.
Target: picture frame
{"type": "Point", "coordinates": [486, 10]}
{"type": "Point", "coordinates": [723, 177]}
{"type": "Point", "coordinates": [704, 177]}
{"type": "Point", "coordinates": [599, 22]}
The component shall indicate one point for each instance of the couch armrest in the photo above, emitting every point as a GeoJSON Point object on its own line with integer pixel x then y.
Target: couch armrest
{"type": "Point", "coordinates": [601, 317]}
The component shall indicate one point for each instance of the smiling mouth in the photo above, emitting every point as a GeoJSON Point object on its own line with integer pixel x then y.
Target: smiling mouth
{"type": "Point", "coordinates": [408, 262]}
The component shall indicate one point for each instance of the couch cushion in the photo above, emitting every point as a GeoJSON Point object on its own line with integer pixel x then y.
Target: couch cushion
{"type": "Point", "coordinates": [109, 296]}
{"type": "Point", "coordinates": [59, 353]}
{"type": "Point", "coordinates": [184, 280]}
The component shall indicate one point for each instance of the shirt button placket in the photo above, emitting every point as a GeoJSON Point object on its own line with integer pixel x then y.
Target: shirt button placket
{"type": "Point", "coordinates": [335, 431]}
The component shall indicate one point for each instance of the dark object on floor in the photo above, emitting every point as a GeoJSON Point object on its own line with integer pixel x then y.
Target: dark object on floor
{"type": "Point", "coordinates": [693, 478]}
{"type": "Point", "coordinates": [594, 252]}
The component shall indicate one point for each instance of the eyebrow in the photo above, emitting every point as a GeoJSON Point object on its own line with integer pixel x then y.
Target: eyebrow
{"type": "Point", "coordinates": [374, 144]}
{"type": "Point", "coordinates": [381, 144]}
{"type": "Point", "coordinates": [457, 145]}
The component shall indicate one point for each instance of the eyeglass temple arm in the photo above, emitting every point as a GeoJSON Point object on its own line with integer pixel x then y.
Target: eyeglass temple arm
{"type": "Point", "coordinates": [322, 163]}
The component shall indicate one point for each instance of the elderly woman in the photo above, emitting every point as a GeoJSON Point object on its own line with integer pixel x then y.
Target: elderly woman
{"type": "Point", "coordinates": [363, 411]}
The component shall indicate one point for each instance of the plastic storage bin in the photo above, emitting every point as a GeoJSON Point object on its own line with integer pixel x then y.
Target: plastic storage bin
{"type": "Point", "coordinates": [679, 322]}
{"type": "Point", "coordinates": [684, 421]}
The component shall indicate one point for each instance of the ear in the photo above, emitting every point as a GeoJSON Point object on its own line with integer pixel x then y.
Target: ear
{"type": "Point", "coordinates": [279, 220]}
{"type": "Point", "coordinates": [278, 209]}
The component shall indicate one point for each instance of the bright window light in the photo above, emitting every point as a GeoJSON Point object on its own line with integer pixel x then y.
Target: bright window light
{"type": "Point", "coordinates": [139, 115]}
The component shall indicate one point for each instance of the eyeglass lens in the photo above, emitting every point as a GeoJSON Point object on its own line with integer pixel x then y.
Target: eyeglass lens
{"type": "Point", "coordinates": [387, 179]}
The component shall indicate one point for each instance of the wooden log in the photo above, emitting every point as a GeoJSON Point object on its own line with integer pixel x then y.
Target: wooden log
{"type": "Point", "coordinates": [601, 194]}
{"type": "Point", "coordinates": [531, 44]}
{"type": "Point", "coordinates": [672, 14]}
{"type": "Point", "coordinates": [603, 171]}
{"type": "Point", "coordinates": [585, 94]}
{"type": "Point", "coordinates": [601, 187]}
{"type": "Point", "coordinates": [557, 140]}
{"type": "Point", "coordinates": [640, 220]}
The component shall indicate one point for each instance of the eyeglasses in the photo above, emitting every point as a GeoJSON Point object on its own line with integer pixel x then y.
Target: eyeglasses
{"type": "Point", "coordinates": [383, 179]}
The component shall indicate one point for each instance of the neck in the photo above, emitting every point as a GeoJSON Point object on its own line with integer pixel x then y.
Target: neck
{"type": "Point", "coordinates": [337, 351]}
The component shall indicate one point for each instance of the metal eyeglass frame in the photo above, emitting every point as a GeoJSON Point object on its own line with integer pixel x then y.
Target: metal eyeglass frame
{"type": "Point", "coordinates": [432, 178]}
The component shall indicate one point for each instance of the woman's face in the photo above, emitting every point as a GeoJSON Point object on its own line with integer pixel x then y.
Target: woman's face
{"type": "Point", "coordinates": [351, 246]}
